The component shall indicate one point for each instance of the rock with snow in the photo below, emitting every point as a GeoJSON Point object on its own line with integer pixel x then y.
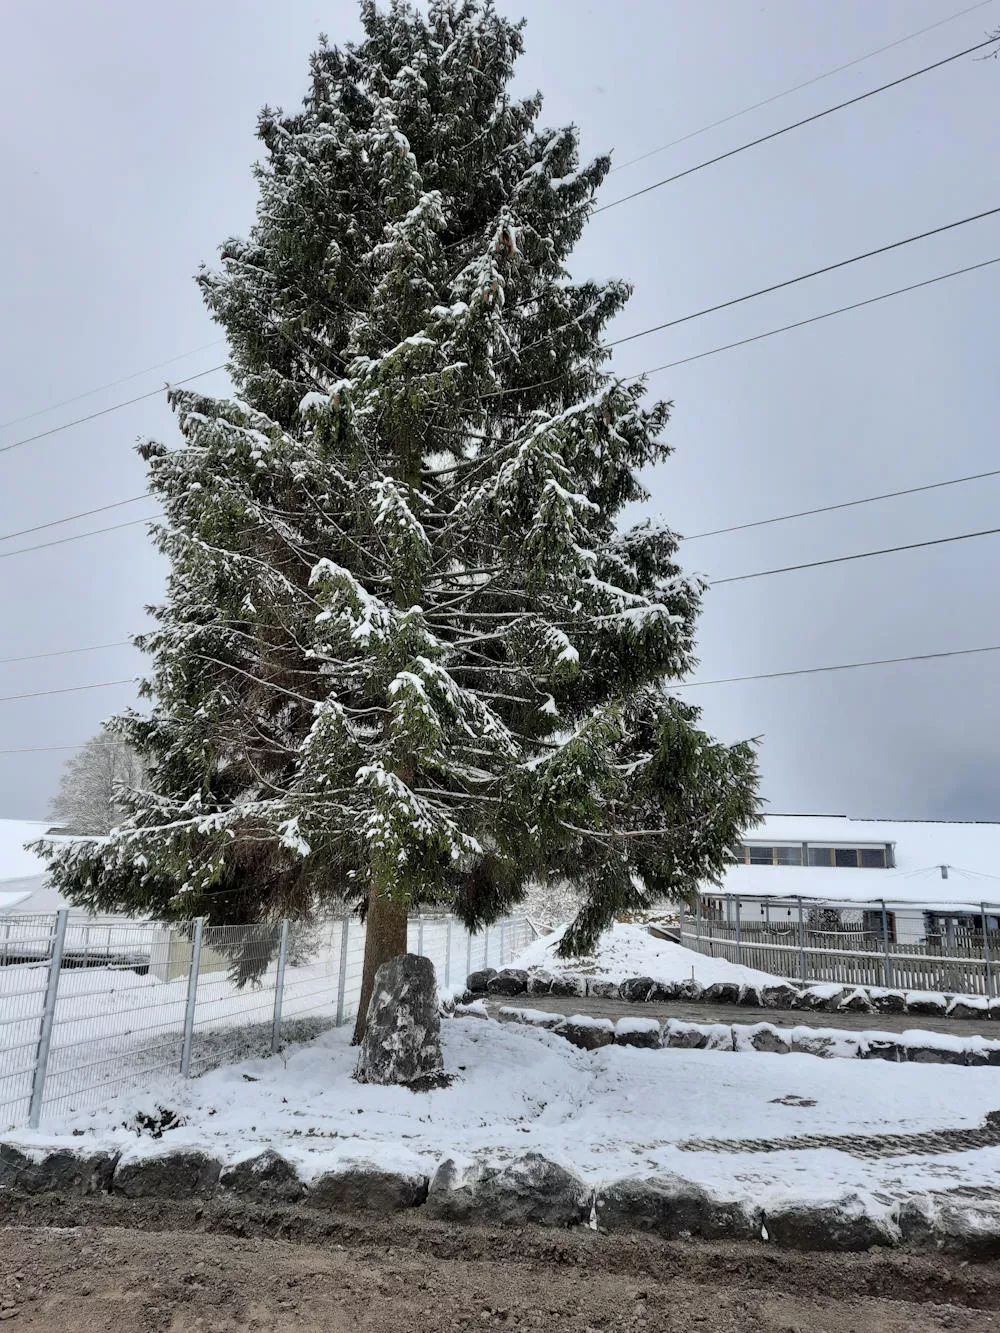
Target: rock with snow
{"type": "Point", "coordinates": [477, 982]}
{"type": "Point", "coordinates": [855, 1002]}
{"type": "Point", "coordinates": [825, 996]}
{"type": "Point", "coordinates": [931, 1048]}
{"type": "Point", "coordinates": [589, 1034]}
{"type": "Point", "coordinates": [684, 1036]}
{"type": "Point", "coordinates": [569, 983]}
{"type": "Point", "coordinates": [402, 1041]}
{"type": "Point", "coordinates": [662, 992]}
{"type": "Point", "coordinates": [636, 989]}
{"type": "Point", "coordinates": [602, 989]}
{"type": "Point", "coordinates": [852, 1222]}
{"type": "Point", "coordinates": [875, 1046]}
{"type": "Point", "coordinates": [969, 1006]}
{"type": "Point", "coordinates": [826, 1043]}
{"type": "Point", "coordinates": [686, 990]}
{"type": "Point", "coordinates": [476, 1009]}
{"type": "Point", "coordinates": [365, 1187]}
{"type": "Point", "coordinates": [719, 1037]}
{"type": "Point", "coordinates": [761, 1037]}
{"type": "Point", "coordinates": [166, 1173]}
{"type": "Point", "coordinates": [888, 1001]}
{"type": "Point", "coordinates": [671, 1207]}
{"type": "Point", "coordinates": [61, 1170]}
{"type": "Point", "coordinates": [722, 992]}
{"type": "Point", "coordinates": [750, 996]}
{"type": "Point", "coordinates": [781, 995]}
{"type": "Point", "coordinates": [508, 981]}
{"type": "Point", "coordinates": [645, 1033]}
{"type": "Point", "coordinates": [528, 1188]}
{"type": "Point", "coordinates": [266, 1177]}
{"type": "Point", "coordinates": [925, 1002]}
{"type": "Point", "coordinates": [539, 982]}
{"type": "Point", "coordinates": [535, 1018]}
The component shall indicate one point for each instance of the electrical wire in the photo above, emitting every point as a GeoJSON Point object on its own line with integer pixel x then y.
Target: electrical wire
{"type": "Point", "coordinates": [79, 536]}
{"type": "Point", "coordinates": [841, 666]}
{"type": "Point", "coordinates": [66, 689]}
{"type": "Point", "coordinates": [858, 555]}
{"type": "Point", "coordinates": [115, 407]}
{"type": "Point", "coordinates": [66, 652]}
{"type": "Point", "coordinates": [802, 277]}
{"type": "Point", "coordinates": [70, 518]}
{"type": "Point", "coordinates": [838, 69]}
{"type": "Point", "coordinates": [786, 129]}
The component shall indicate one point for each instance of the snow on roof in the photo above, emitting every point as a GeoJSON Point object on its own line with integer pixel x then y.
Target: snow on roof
{"type": "Point", "coordinates": [970, 850]}
{"type": "Point", "coordinates": [11, 900]}
{"type": "Point", "coordinates": [15, 861]}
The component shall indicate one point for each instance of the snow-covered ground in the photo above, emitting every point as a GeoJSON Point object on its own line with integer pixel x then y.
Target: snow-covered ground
{"type": "Point", "coordinates": [613, 1113]}
{"type": "Point", "coordinates": [630, 951]}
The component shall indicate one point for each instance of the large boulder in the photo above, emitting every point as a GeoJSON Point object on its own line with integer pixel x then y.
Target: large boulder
{"type": "Point", "coordinates": [662, 992]}
{"type": "Point", "coordinates": [59, 1171]}
{"type": "Point", "coordinates": [478, 981]}
{"type": "Point", "coordinates": [636, 989]}
{"type": "Point", "coordinates": [847, 1223]}
{"type": "Point", "coordinates": [856, 1001]}
{"type": "Point", "coordinates": [358, 1187]}
{"type": "Point", "coordinates": [671, 1207]}
{"type": "Point", "coordinates": [823, 996]}
{"type": "Point", "coordinates": [539, 982]}
{"type": "Point", "coordinates": [586, 1032]}
{"type": "Point", "coordinates": [535, 1018]}
{"type": "Point", "coordinates": [402, 1041]}
{"type": "Point", "coordinates": [266, 1177]}
{"type": "Point", "coordinates": [508, 981]}
{"type": "Point", "coordinates": [166, 1173]}
{"type": "Point", "coordinates": [688, 989]}
{"type": "Point", "coordinates": [925, 1002]}
{"type": "Point", "coordinates": [779, 995]}
{"type": "Point", "coordinates": [569, 983]}
{"type": "Point", "coordinates": [969, 1006]}
{"type": "Point", "coordinates": [602, 989]}
{"type": "Point", "coordinates": [761, 1037]}
{"type": "Point", "coordinates": [684, 1036]}
{"type": "Point", "coordinates": [529, 1188]}
{"type": "Point", "coordinates": [888, 1001]}
{"type": "Point", "coordinates": [722, 992]}
{"type": "Point", "coordinates": [642, 1032]}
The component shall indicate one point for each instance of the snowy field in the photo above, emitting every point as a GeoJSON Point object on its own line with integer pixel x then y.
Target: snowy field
{"type": "Point", "coordinates": [614, 1113]}
{"type": "Point", "coordinates": [630, 951]}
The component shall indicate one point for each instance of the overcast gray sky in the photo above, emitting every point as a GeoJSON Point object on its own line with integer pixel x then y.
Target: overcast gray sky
{"type": "Point", "coordinates": [125, 155]}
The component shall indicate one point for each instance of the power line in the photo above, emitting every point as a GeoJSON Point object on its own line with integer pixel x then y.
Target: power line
{"type": "Point", "coordinates": [66, 689]}
{"type": "Point", "coordinates": [815, 319]}
{"type": "Point", "coordinates": [88, 393]}
{"type": "Point", "coordinates": [43, 749]}
{"type": "Point", "coordinates": [79, 536]}
{"type": "Point", "coordinates": [859, 555]}
{"type": "Point", "coordinates": [84, 513]}
{"type": "Point", "coordinates": [115, 407]}
{"type": "Point", "coordinates": [66, 652]}
{"type": "Point", "coordinates": [844, 504]}
{"type": "Point", "coordinates": [842, 666]}
{"type": "Point", "coordinates": [786, 129]}
{"type": "Point", "coordinates": [802, 277]}
{"type": "Point", "coordinates": [838, 69]}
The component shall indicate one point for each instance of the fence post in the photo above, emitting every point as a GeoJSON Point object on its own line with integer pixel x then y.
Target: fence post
{"type": "Point", "coordinates": [447, 954]}
{"type": "Point", "coordinates": [802, 943]}
{"type": "Point", "coordinates": [342, 978]}
{"type": "Point", "coordinates": [48, 1018]}
{"type": "Point", "coordinates": [739, 937]}
{"type": "Point", "coordinates": [279, 988]}
{"type": "Point", "coordinates": [886, 956]}
{"type": "Point", "coordinates": [192, 997]}
{"type": "Point", "coordinates": [986, 953]}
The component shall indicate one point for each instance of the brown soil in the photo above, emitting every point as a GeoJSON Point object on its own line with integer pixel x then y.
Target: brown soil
{"type": "Point", "coordinates": [119, 1267]}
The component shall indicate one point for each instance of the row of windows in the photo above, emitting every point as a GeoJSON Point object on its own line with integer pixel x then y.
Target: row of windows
{"type": "Point", "coordinates": [865, 858]}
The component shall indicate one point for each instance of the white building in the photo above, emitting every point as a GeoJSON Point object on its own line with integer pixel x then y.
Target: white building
{"type": "Point", "coordinates": [932, 877]}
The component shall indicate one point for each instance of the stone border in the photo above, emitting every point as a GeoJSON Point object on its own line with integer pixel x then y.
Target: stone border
{"type": "Point", "coordinates": [511, 1192]}
{"type": "Point", "coordinates": [910, 1047]}
{"type": "Point", "coordinates": [826, 997]}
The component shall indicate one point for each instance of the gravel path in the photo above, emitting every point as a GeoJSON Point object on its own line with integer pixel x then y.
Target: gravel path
{"type": "Point", "coordinates": [738, 1013]}
{"type": "Point", "coordinates": [168, 1273]}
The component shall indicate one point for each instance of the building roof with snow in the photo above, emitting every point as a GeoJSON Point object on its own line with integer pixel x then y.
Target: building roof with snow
{"type": "Point", "coordinates": [940, 863]}
{"type": "Point", "coordinates": [24, 885]}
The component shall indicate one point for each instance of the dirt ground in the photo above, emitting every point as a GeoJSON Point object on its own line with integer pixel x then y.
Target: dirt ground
{"type": "Point", "coordinates": [115, 1269]}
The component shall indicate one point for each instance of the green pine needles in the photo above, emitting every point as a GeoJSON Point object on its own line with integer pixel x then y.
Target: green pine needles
{"type": "Point", "coordinates": [406, 650]}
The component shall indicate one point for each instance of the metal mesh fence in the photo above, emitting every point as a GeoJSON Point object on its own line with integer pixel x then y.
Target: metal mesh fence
{"type": "Point", "coordinates": [89, 1009]}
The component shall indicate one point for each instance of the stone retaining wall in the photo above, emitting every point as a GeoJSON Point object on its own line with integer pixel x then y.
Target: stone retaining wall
{"type": "Point", "coordinates": [506, 1191]}
{"type": "Point", "coordinates": [828, 997]}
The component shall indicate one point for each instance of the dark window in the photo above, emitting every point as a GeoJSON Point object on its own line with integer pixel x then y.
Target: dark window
{"type": "Point", "coordinates": [821, 856]}
{"type": "Point", "coordinates": [873, 857]}
{"type": "Point", "coordinates": [788, 856]}
{"type": "Point", "coordinates": [845, 856]}
{"type": "Point", "coordinates": [761, 856]}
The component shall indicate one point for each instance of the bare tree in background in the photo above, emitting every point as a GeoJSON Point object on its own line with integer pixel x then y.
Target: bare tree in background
{"type": "Point", "coordinates": [88, 799]}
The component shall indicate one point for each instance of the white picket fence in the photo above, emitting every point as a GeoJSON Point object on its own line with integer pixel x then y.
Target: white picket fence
{"type": "Point", "coordinates": [89, 1008]}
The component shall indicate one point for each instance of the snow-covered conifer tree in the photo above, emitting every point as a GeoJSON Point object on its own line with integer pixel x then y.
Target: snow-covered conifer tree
{"type": "Point", "coordinates": [407, 655]}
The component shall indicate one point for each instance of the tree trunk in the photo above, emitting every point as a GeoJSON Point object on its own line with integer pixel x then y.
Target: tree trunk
{"type": "Point", "coordinates": [385, 938]}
